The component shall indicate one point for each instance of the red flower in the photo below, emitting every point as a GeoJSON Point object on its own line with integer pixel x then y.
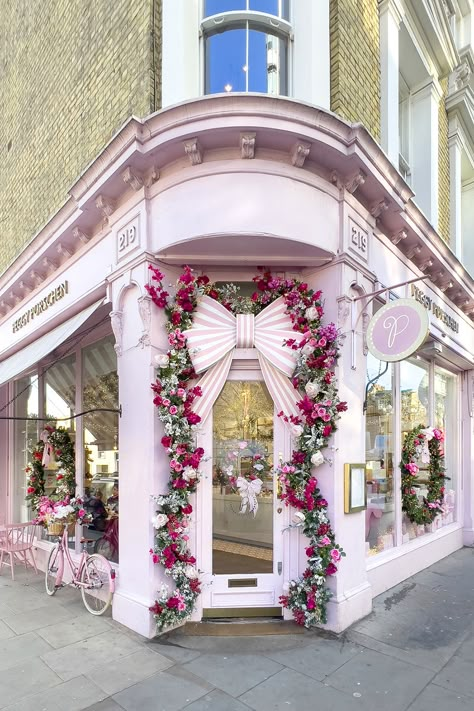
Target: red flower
{"type": "Point", "coordinates": [310, 551]}
{"type": "Point", "coordinates": [327, 430]}
{"type": "Point", "coordinates": [331, 569]}
{"type": "Point", "coordinates": [202, 280]}
{"type": "Point", "coordinates": [30, 490]}
{"type": "Point", "coordinates": [156, 608]}
{"type": "Point", "coordinates": [195, 586]}
{"type": "Point", "coordinates": [192, 418]}
{"type": "Point", "coordinates": [341, 406]}
{"type": "Point", "coordinates": [172, 603]}
{"type": "Point", "coordinates": [167, 441]}
{"type": "Point", "coordinates": [188, 509]}
{"type": "Point", "coordinates": [38, 456]}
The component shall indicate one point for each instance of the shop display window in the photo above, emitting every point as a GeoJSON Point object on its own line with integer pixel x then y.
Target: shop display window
{"type": "Point", "coordinates": [379, 454]}
{"type": "Point", "coordinates": [399, 397]}
{"type": "Point", "coordinates": [446, 418]}
{"type": "Point", "coordinates": [100, 437]}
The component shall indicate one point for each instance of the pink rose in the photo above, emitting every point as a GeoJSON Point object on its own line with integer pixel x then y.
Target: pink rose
{"type": "Point", "coordinates": [335, 555]}
{"type": "Point", "coordinates": [81, 513]}
{"type": "Point", "coordinates": [181, 393]}
{"type": "Point", "coordinates": [166, 402]}
{"type": "Point", "coordinates": [412, 468]}
{"type": "Point", "coordinates": [324, 541]}
{"type": "Point", "coordinates": [173, 410]}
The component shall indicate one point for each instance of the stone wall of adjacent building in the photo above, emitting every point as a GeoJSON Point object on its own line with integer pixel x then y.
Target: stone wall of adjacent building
{"type": "Point", "coordinates": [443, 179]}
{"type": "Point", "coordinates": [355, 62]}
{"type": "Point", "coordinates": [71, 74]}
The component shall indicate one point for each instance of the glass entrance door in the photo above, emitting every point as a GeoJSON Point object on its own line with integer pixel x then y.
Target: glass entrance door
{"type": "Point", "coordinates": [243, 537]}
{"type": "Point", "coordinates": [242, 486]}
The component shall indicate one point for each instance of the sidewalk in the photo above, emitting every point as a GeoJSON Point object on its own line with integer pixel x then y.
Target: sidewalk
{"type": "Point", "coordinates": [415, 651]}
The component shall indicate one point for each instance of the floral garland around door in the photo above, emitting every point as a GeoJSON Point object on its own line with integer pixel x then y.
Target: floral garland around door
{"type": "Point", "coordinates": [317, 351]}
{"type": "Point", "coordinates": [55, 445]}
{"type": "Point", "coordinates": [425, 444]}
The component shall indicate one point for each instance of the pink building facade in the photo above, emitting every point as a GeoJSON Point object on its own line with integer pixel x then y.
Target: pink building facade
{"type": "Point", "coordinates": [226, 184]}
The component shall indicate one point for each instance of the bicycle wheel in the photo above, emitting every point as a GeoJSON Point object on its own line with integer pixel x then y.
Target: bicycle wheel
{"type": "Point", "coordinates": [103, 547]}
{"type": "Point", "coordinates": [52, 570]}
{"type": "Point", "coordinates": [97, 591]}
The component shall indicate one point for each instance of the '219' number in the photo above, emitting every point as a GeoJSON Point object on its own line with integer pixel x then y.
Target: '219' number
{"type": "Point", "coordinates": [127, 238]}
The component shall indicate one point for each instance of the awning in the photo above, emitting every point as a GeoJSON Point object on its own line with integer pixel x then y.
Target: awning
{"type": "Point", "coordinates": [28, 356]}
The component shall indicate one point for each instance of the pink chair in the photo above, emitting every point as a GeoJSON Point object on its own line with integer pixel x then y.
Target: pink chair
{"type": "Point", "coordinates": [16, 540]}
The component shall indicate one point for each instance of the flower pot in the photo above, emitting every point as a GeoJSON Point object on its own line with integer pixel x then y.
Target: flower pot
{"type": "Point", "coordinates": [56, 527]}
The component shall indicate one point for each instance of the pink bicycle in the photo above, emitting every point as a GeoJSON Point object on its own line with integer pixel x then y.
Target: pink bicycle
{"type": "Point", "coordinates": [93, 575]}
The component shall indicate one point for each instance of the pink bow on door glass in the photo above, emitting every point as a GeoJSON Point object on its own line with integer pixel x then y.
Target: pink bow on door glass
{"type": "Point", "coordinates": [215, 334]}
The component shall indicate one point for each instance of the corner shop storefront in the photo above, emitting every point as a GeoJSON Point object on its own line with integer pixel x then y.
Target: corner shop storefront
{"type": "Point", "coordinates": [195, 194]}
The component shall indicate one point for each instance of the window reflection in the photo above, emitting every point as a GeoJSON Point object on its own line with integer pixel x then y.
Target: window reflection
{"type": "Point", "coordinates": [25, 437]}
{"type": "Point", "coordinates": [101, 493]}
{"type": "Point", "coordinates": [380, 512]}
{"type": "Point", "coordinates": [280, 8]}
{"type": "Point", "coordinates": [246, 60]}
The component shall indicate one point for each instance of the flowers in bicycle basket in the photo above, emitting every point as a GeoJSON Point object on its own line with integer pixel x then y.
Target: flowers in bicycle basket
{"type": "Point", "coordinates": [67, 510]}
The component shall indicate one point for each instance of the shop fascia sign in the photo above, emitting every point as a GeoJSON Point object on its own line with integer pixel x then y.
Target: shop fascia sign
{"type": "Point", "coordinates": [436, 310]}
{"type": "Point", "coordinates": [55, 295]}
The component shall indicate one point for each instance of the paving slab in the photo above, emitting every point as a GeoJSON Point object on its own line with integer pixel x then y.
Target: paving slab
{"type": "Point", "coordinates": [128, 670]}
{"type": "Point", "coordinates": [70, 631]}
{"type": "Point", "coordinates": [84, 656]}
{"type": "Point", "coordinates": [74, 695]}
{"type": "Point", "coordinates": [319, 658]}
{"type": "Point", "coordinates": [107, 705]}
{"type": "Point", "coordinates": [233, 673]}
{"type": "Point", "coordinates": [18, 649]}
{"type": "Point", "coordinates": [217, 700]}
{"type": "Point", "coordinates": [291, 690]}
{"type": "Point", "coordinates": [383, 683]}
{"type": "Point", "coordinates": [25, 679]}
{"type": "Point", "coordinates": [5, 631]}
{"type": "Point", "coordinates": [457, 676]}
{"type": "Point", "coordinates": [170, 690]}
{"type": "Point", "coordinates": [435, 698]}
{"type": "Point", "coordinates": [36, 619]}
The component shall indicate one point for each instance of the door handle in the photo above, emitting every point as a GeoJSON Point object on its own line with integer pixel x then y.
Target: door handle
{"type": "Point", "coordinates": [279, 509]}
{"type": "Point", "coordinates": [280, 567]}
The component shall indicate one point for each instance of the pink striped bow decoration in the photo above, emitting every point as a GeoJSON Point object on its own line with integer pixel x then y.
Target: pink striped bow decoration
{"type": "Point", "coordinates": [215, 334]}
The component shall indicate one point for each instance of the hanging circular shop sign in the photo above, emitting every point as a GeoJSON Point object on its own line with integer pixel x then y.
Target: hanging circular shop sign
{"type": "Point", "coordinates": [397, 330]}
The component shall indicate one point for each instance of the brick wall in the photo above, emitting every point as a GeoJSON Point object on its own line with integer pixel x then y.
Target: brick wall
{"type": "Point", "coordinates": [443, 181]}
{"type": "Point", "coordinates": [355, 62]}
{"type": "Point", "coordinates": [71, 74]}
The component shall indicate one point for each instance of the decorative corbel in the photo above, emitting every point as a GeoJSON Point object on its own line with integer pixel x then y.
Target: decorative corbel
{"type": "Point", "coordinates": [133, 178]}
{"type": "Point", "coordinates": [25, 288]}
{"type": "Point", "coordinates": [247, 145]}
{"type": "Point", "coordinates": [446, 286]}
{"type": "Point", "coordinates": [398, 236]}
{"type": "Point", "coordinates": [343, 311]}
{"type": "Point", "coordinates": [78, 234]}
{"type": "Point", "coordinates": [105, 205]}
{"type": "Point", "coordinates": [378, 208]}
{"type": "Point", "coordinates": [425, 265]}
{"type": "Point", "coordinates": [14, 297]}
{"type": "Point", "coordinates": [299, 153]}
{"type": "Point", "coordinates": [193, 151]}
{"type": "Point", "coordinates": [63, 251]}
{"type": "Point", "coordinates": [152, 177]}
{"type": "Point", "coordinates": [144, 309]}
{"type": "Point", "coordinates": [35, 277]}
{"type": "Point", "coordinates": [413, 251]}
{"type": "Point", "coordinates": [116, 320]}
{"type": "Point", "coordinates": [49, 265]}
{"type": "Point", "coordinates": [356, 181]}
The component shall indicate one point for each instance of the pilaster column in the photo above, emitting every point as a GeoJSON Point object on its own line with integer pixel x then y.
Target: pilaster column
{"type": "Point", "coordinates": [455, 193]}
{"type": "Point", "coordinates": [180, 64]}
{"type": "Point", "coordinates": [425, 141]}
{"type": "Point", "coordinates": [143, 462]}
{"type": "Point", "coordinates": [311, 55]}
{"type": "Point", "coordinates": [390, 16]}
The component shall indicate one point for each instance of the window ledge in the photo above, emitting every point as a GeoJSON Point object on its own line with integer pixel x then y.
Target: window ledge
{"type": "Point", "coordinates": [414, 545]}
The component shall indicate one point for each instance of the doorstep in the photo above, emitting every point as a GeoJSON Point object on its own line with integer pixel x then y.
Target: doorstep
{"type": "Point", "coordinates": [239, 627]}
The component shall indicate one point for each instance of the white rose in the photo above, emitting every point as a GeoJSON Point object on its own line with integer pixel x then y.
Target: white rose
{"type": "Point", "coordinates": [191, 572]}
{"type": "Point", "coordinates": [312, 389]}
{"type": "Point", "coordinates": [317, 459]}
{"type": "Point", "coordinates": [159, 520]}
{"type": "Point", "coordinates": [298, 517]}
{"type": "Point", "coordinates": [296, 430]}
{"type": "Point", "coordinates": [311, 313]}
{"type": "Point", "coordinates": [189, 473]}
{"type": "Point", "coordinates": [161, 360]}
{"type": "Point", "coordinates": [307, 349]}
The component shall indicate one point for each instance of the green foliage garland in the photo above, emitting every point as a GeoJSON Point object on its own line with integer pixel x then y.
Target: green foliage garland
{"type": "Point", "coordinates": [63, 450]}
{"type": "Point", "coordinates": [423, 438]}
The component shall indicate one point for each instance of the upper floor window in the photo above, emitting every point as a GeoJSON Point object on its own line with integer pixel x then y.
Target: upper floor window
{"type": "Point", "coordinates": [246, 46]}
